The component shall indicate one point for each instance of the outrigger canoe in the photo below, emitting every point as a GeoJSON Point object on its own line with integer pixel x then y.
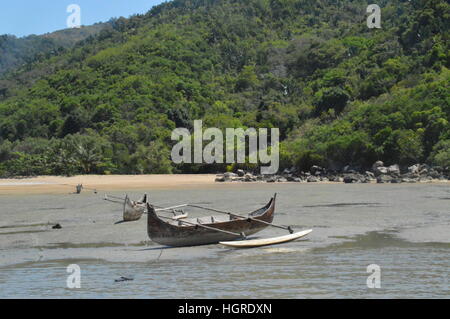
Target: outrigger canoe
{"type": "Point", "coordinates": [134, 210]}
{"type": "Point", "coordinates": [225, 228]}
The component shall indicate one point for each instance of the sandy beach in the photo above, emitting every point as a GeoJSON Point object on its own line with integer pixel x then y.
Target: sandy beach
{"type": "Point", "coordinates": [63, 185]}
{"type": "Point", "coordinates": [47, 185]}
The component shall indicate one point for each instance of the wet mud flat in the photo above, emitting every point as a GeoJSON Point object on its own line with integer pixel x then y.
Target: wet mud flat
{"type": "Point", "coordinates": [402, 228]}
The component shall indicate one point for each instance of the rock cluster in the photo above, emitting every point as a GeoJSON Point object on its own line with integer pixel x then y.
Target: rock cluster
{"type": "Point", "coordinates": [379, 174]}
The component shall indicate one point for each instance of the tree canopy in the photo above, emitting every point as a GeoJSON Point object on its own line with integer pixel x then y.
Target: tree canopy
{"type": "Point", "coordinates": [340, 93]}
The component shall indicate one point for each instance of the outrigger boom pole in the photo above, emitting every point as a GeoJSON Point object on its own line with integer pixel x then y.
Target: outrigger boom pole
{"type": "Point", "coordinates": [288, 228]}
{"type": "Point", "coordinates": [159, 208]}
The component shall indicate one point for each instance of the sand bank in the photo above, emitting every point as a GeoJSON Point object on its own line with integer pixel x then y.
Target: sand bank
{"type": "Point", "coordinates": [61, 185]}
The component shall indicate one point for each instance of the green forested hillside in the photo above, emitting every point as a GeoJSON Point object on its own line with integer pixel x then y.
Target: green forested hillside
{"type": "Point", "coordinates": [339, 92]}
{"type": "Point", "coordinates": [17, 53]}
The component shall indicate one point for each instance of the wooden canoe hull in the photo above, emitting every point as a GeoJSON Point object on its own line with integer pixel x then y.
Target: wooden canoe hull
{"type": "Point", "coordinates": [168, 234]}
{"type": "Point", "coordinates": [132, 211]}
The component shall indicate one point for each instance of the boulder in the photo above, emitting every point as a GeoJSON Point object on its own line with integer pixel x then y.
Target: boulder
{"type": "Point", "coordinates": [394, 169]}
{"type": "Point", "coordinates": [414, 169]}
{"type": "Point", "coordinates": [249, 177]}
{"type": "Point", "coordinates": [312, 179]}
{"type": "Point", "coordinates": [240, 172]}
{"type": "Point", "coordinates": [229, 175]}
{"type": "Point", "coordinates": [370, 175]}
{"type": "Point", "coordinates": [349, 170]}
{"type": "Point", "coordinates": [434, 173]}
{"type": "Point", "coordinates": [220, 179]}
{"type": "Point", "coordinates": [439, 169]}
{"type": "Point", "coordinates": [377, 164]}
{"type": "Point", "coordinates": [384, 179]}
{"type": "Point", "coordinates": [316, 170]}
{"type": "Point", "coordinates": [411, 175]}
{"type": "Point", "coordinates": [380, 171]}
{"type": "Point", "coordinates": [351, 178]}
{"type": "Point", "coordinates": [332, 178]}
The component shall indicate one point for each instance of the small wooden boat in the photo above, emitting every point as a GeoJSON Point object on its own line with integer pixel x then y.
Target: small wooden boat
{"type": "Point", "coordinates": [132, 210]}
{"type": "Point", "coordinates": [208, 230]}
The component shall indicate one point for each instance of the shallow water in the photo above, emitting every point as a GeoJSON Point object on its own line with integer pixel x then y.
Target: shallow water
{"type": "Point", "coordinates": [405, 229]}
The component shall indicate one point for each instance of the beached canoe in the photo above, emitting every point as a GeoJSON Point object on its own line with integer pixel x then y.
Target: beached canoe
{"type": "Point", "coordinates": [207, 230]}
{"type": "Point", "coordinates": [134, 210]}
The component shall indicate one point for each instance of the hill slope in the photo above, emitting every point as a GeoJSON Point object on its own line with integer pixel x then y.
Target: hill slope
{"type": "Point", "coordinates": [339, 92]}
{"type": "Point", "coordinates": [18, 52]}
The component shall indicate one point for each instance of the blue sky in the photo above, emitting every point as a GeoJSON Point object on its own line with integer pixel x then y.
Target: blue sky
{"type": "Point", "coordinates": [25, 17]}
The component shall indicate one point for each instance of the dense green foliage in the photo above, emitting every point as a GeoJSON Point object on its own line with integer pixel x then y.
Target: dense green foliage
{"type": "Point", "coordinates": [16, 53]}
{"type": "Point", "coordinates": [339, 92]}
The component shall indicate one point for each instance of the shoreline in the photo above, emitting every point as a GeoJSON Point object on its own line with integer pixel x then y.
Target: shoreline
{"type": "Point", "coordinates": [64, 185]}
{"type": "Point", "coordinates": [41, 185]}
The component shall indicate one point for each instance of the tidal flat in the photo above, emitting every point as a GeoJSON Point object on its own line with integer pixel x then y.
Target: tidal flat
{"type": "Point", "coordinates": [403, 228]}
